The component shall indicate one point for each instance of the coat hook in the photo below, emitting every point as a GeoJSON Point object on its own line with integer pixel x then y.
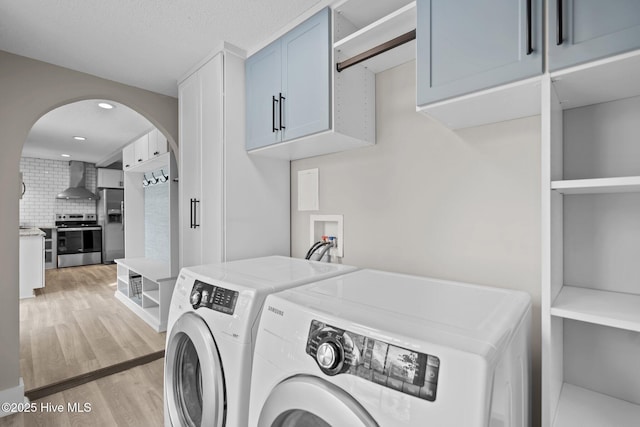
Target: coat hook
{"type": "Point", "coordinates": [145, 181]}
{"type": "Point", "coordinates": [155, 180]}
{"type": "Point", "coordinates": [163, 178]}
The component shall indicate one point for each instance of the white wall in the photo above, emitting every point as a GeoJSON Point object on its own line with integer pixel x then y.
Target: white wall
{"type": "Point", "coordinates": [428, 201]}
{"type": "Point", "coordinates": [44, 179]}
{"type": "Point", "coordinates": [29, 89]}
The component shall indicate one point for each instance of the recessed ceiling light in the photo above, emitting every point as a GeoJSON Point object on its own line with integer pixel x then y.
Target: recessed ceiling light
{"type": "Point", "coordinates": [105, 105]}
{"type": "Point", "coordinates": [65, 155]}
{"type": "Point", "coordinates": [79, 138]}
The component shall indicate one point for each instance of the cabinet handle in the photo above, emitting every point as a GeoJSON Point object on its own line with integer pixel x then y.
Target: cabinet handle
{"type": "Point", "coordinates": [156, 153]}
{"type": "Point", "coordinates": [139, 160]}
{"type": "Point", "coordinates": [195, 213]}
{"type": "Point", "coordinates": [282, 99]}
{"type": "Point", "coordinates": [190, 213]}
{"type": "Point", "coordinates": [559, 20]}
{"type": "Point", "coordinates": [273, 114]}
{"type": "Point", "coordinates": [529, 46]}
{"type": "Point", "coordinates": [126, 166]}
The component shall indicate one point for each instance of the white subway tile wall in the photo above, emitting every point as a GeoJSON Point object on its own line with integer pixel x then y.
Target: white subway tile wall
{"type": "Point", "coordinates": [44, 179]}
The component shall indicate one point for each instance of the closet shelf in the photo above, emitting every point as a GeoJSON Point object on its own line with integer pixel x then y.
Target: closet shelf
{"type": "Point", "coordinates": [579, 407]}
{"type": "Point", "coordinates": [387, 28]}
{"type": "Point", "coordinates": [614, 309]}
{"type": "Point", "coordinates": [627, 184]}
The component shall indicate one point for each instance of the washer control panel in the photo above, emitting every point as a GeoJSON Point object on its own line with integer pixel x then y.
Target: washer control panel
{"type": "Point", "coordinates": [213, 297]}
{"type": "Point", "coordinates": [337, 351]}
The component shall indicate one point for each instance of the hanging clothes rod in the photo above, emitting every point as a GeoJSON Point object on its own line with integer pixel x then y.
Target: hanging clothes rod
{"type": "Point", "coordinates": [375, 51]}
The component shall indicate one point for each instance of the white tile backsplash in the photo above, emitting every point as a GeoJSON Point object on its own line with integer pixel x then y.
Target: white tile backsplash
{"type": "Point", "coordinates": [44, 179]}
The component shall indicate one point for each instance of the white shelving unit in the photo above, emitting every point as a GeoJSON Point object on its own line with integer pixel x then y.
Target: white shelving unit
{"type": "Point", "coordinates": [152, 302]}
{"type": "Point", "coordinates": [591, 229]}
{"type": "Point", "coordinates": [386, 28]}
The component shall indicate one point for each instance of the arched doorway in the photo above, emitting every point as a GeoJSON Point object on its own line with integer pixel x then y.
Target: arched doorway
{"type": "Point", "coordinates": [71, 324]}
{"type": "Point", "coordinates": [28, 90]}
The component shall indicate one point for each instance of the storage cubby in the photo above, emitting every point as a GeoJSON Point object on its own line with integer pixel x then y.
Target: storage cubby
{"type": "Point", "coordinates": [591, 232]}
{"type": "Point", "coordinates": [146, 286]}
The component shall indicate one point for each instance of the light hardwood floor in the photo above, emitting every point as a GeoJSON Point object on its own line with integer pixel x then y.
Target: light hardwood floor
{"type": "Point", "coordinates": [130, 398]}
{"type": "Point", "coordinates": [75, 325]}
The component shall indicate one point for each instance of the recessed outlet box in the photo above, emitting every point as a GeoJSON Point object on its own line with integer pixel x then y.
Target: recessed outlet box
{"type": "Point", "coordinates": [327, 225]}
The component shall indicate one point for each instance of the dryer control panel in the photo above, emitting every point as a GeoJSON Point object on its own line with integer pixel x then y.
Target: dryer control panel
{"type": "Point", "coordinates": [213, 297]}
{"type": "Point", "coordinates": [337, 351]}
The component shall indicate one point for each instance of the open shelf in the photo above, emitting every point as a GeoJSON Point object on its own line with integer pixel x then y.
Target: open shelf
{"type": "Point", "coordinates": [627, 184]}
{"type": "Point", "coordinates": [579, 407]}
{"type": "Point", "coordinates": [152, 269]}
{"type": "Point", "coordinates": [599, 81]}
{"type": "Point", "coordinates": [381, 31]}
{"type": "Point", "coordinates": [614, 309]}
{"type": "Point", "coordinates": [153, 295]}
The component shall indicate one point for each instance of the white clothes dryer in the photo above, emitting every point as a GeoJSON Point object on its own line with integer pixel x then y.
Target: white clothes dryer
{"type": "Point", "coordinates": [212, 325]}
{"type": "Point", "coordinates": [371, 348]}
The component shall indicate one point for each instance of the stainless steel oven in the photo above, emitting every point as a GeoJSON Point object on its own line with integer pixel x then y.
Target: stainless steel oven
{"type": "Point", "coordinates": [79, 240]}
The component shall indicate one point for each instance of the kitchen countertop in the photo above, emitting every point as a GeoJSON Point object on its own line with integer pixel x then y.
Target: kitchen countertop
{"type": "Point", "coordinates": [30, 232]}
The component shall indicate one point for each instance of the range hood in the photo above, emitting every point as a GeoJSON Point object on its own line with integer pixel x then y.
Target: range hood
{"type": "Point", "coordinates": [77, 182]}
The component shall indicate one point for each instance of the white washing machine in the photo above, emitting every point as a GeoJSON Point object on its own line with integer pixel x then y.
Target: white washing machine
{"type": "Point", "coordinates": [371, 348]}
{"type": "Point", "coordinates": [212, 324]}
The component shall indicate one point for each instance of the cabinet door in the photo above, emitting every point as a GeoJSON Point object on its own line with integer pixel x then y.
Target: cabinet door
{"type": "Point", "coordinates": [110, 178]}
{"type": "Point", "coordinates": [141, 149]}
{"type": "Point", "coordinates": [128, 156]}
{"type": "Point", "coordinates": [157, 143]}
{"type": "Point", "coordinates": [306, 77]}
{"type": "Point", "coordinates": [591, 29]}
{"type": "Point", "coordinates": [263, 85]}
{"type": "Point", "coordinates": [466, 45]}
{"type": "Point", "coordinates": [190, 166]}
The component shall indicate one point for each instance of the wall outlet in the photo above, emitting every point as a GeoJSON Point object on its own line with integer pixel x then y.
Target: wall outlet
{"type": "Point", "coordinates": [327, 225]}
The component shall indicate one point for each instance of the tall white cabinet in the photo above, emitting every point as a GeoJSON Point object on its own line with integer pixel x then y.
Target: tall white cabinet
{"type": "Point", "coordinates": [591, 235]}
{"type": "Point", "coordinates": [232, 206]}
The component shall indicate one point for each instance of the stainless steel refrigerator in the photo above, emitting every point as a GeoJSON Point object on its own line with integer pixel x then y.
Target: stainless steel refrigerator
{"type": "Point", "coordinates": [111, 218]}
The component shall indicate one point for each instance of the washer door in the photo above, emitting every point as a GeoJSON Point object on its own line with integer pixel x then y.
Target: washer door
{"type": "Point", "coordinates": [305, 401]}
{"type": "Point", "coordinates": [194, 380]}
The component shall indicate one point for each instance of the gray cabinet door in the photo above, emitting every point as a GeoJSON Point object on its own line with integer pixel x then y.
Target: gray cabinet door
{"type": "Point", "coordinates": [591, 29]}
{"type": "Point", "coordinates": [468, 45]}
{"type": "Point", "coordinates": [263, 83]}
{"type": "Point", "coordinates": [306, 53]}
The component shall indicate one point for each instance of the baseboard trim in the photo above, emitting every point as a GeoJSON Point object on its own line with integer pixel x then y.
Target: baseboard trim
{"type": "Point", "coordinates": [12, 395]}
{"type": "Point", "coordinates": [47, 390]}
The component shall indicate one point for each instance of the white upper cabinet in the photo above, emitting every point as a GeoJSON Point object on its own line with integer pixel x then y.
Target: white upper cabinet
{"type": "Point", "coordinates": [585, 30]}
{"type": "Point", "coordinates": [141, 149]}
{"type": "Point", "coordinates": [110, 178]}
{"type": "Point", "coordinates": [128, 156]}
{"type": "Point", "coordinates": [157, 143]}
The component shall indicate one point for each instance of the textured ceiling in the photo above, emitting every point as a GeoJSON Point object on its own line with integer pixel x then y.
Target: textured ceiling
{"type": "Point", "coordinates": [149, 44]}
{"type": "Point", "coordinates": [143, 43]}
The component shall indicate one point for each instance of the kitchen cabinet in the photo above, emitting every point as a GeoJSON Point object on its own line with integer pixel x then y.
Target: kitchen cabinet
{"type": "Point", "coordinates": [110, 178]}
{"type": "Point", "coordinates": [465, 46]}
{"type": "Point", "coordinates": [585, 30]}
{"type": "Point", "coordinates": [590, 233]}
{"type": "Point", "coordinates": [146, 286]}
{"type": "Point", "coordinates": [288, 85]}
{"type": "Point", "coordinates": [32, 253]}
{"type": "Point", "coordinates": [128, 156]}
{"type": "Point", "coordinates": [232, 206]}
{"type": "Point", "coordinates": [141, 149]}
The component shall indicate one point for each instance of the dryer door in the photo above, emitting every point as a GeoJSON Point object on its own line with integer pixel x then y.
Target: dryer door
{"type": "Point", "coordinates": [305, 401]}
{"type": "Point", "coordinates": [194, 380]}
